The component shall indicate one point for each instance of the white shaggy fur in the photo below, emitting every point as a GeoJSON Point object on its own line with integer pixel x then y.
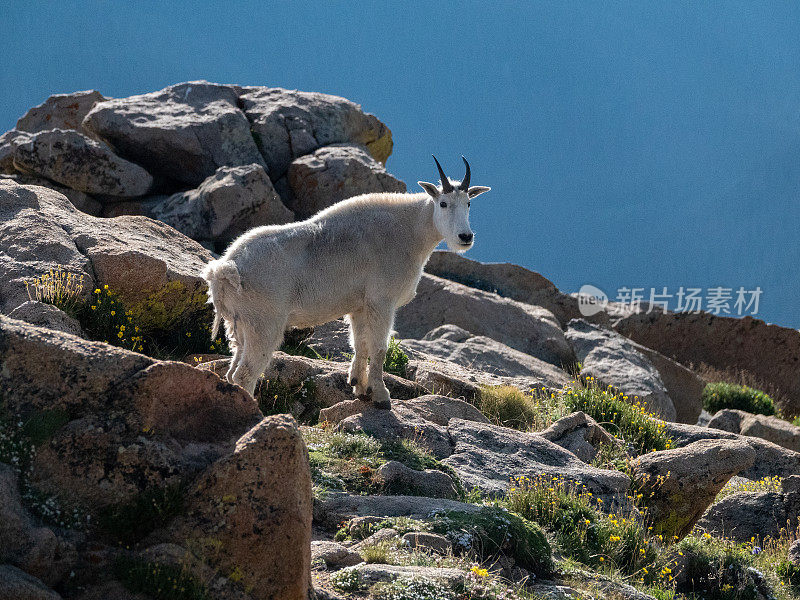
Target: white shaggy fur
{"type": "Point", "coordinates": [362, 257]}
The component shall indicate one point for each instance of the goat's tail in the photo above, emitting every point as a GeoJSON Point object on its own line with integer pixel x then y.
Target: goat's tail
{"type": "Point", "coordinates": [224, 283]}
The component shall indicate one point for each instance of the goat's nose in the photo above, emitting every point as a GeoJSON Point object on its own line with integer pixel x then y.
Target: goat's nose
{"type": "Point", "coordinates": [465, 237]}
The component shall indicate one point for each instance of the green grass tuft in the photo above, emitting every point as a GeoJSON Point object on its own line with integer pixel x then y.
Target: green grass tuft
{"type": "Point", "coordinates": [396, 361]}
{"type": "Point", "coordinates": [717, 396]}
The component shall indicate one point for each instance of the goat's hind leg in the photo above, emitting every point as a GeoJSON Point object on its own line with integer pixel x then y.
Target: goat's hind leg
{"type": "Point", "coordinates": [259, 346]}
{"type": "Point", "coordinates": [236, 344]}
{"type": "Point", "coordinates": [359, 333]}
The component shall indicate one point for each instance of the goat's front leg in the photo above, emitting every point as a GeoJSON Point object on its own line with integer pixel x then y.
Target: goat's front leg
{"type": "Point", "coordinates": [380, 324]}
{"type": "Point", "coordinates": [359, 334]}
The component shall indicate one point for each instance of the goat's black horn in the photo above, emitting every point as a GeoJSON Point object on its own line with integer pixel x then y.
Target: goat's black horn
{"type": "Point", "coordinates": [465, 182]}
{"type": "Point", "coordinates": [446, 187]}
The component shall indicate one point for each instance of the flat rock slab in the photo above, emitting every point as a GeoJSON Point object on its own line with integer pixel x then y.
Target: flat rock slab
{"type": "Point", "coordinates": [184, 132]}
{"type": "Point", "coordinates": [484, 356]}
{"type": "Point", "coordinates": [529, 329]}
{"type": "Point", "coordinates": [488, 457]}
{"type": "Point", "coordinates": [374, 573]}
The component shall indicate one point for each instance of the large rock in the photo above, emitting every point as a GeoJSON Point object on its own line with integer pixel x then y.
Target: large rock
{"type": "Point", "coordinates": [15, 584]}
{"type": "Point", "coordinates": [288, 124]}
{"type": "Point", "coordinates": [41, 230]}
{"type": "Point", "coordinates": [60, 111]}
{"type": "Point", "coordinates": [256, 506]}
{"type": "Point", "coordinates": [678, 485]}
{"type": "Point", "coordinates": [79, 162]}
{"type": "Point", "coordinates": [765, 427]}
{"type": "Point", "coordinates": [488, 457]}
{"type": "Point", "coordinates": [225, 205]}
{"type": "Point", "coordinates": [773, 460]}
{"type": "Point", "coordinates": [133, 422]}
{"type": "Point", "coordinates": [529, 329]}
{"type": "Point", "coordinates": [333, 173]}
{"type": "Point", "coordinates": [771, 353]}
{"type": "Point", "coordinates": [485, 356]}
{"type": "Point", "coordinates": [614, 361]}
{"type": "Point", "coordinates": [746, 515]}
{"type": "Point", "coordinates": [184, 132]}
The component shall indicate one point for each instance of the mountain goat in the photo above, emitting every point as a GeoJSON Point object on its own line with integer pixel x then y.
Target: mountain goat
{"type": "Point", "coordinates": [362, 257]}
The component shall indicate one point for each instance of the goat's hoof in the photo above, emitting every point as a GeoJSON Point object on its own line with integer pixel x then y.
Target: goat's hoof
{"type": "Point", "coordinates": [382, 404]}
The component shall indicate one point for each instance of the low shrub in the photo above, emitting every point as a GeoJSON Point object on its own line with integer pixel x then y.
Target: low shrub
{"type": "Point", "coordinates": [765, 484]}
{"type": "Point", "coordinates": [158, 581]}
{"type": "Point", "coordinates": [717, 396]}
{"type": "Point", "coordinates": [718, 570]}
{"type": "Point", "coordinates": [276, 397]}
{"type": "Point", "coordinates": [170, 323]}
{"type": "Point", "coordinates": [413, 588]}
{"type": "Point", "coordinates": [494, 531]}
{"type": "Point", "coordinates": [581, 530]}
{"type": "Point", "coordinates": [347, 580]}
{"type": "Point", "coordinates": [624, 417]}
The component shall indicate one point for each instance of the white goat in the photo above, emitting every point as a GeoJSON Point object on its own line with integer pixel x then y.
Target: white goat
{"type": "Point", "coordinates": [362, 257]}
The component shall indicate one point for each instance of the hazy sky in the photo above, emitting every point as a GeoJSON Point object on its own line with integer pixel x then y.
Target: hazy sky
{"type": "Point", "coordinates": [632, 144]}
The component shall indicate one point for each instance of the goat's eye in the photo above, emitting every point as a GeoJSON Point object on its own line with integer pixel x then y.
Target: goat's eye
{"type": "Point", "coordinates": [443, 204]}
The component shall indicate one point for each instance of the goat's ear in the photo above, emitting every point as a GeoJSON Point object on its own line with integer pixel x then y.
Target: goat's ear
{"type": "Point", "coordinates": [477, 190]}
{"type": "Point", "coordinates": [432, 190]}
